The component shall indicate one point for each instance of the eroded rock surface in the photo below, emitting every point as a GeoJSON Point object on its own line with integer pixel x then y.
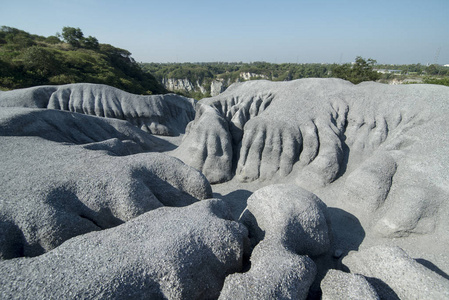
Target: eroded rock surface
{"type": "Point", "coordinates": [51, 192]}
{"type": "Point", "coordinates": [158, 114]}
{"type": "Point", "coordinates": [168, 253]}
{"type": "Point", "coordinates": [289, 216]}
{"type": "Point", "coordinates": [392, 266]}
{"type": "Point", "coordinates": [338, 285]}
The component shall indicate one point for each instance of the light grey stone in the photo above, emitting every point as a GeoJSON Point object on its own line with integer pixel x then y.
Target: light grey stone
{"type": "Point", "coordinates": [393, 267]}
{"type": "Point", "coordinates": [275, 273]}
{"type": "Point", "coordinates": [290, 216]}
{"type": "Point", "coordinates": [119, 137]}
{"type": "Point", "coordinates": [51, 192]}
{"type": "Point", "coordinates": [168, 253]}
{"type": "Point", "coordinates": [338, 285]}
{"type": "Point", "coordinates": [157, 114]}
{"type": "Point", "coordinates": [371, 182]}
{"type": "Point", "coordinates": [208, 149]}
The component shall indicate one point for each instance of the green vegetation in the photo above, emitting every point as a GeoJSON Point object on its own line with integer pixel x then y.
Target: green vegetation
{"type": "Point", "coordinates": [361, 70]}
{"type": "Point", "coordinates": [29, 60]}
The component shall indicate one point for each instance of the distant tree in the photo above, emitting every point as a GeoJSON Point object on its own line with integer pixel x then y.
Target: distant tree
{"type": "Point", "coordinates": [40, 61]}
{"type": "Point", "coordinates": [53, 39]}
{"type": "Point", "coordinates": [73, 36]}
{"type": "Point", "coordinates": [91, 43]}
{"type": "Point", "coordinates": [361, 70]}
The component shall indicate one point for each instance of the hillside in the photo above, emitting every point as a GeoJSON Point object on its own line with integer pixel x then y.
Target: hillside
{"type": "Point", "coordinates": [28, 60]}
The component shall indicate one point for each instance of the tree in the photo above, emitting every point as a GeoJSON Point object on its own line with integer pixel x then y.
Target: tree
{"type": "Point", "coordinates": [91, 43]}
{"type": "Point", "coordinates": [360, 70]}
{"type": "Point", "coordinates": [73, 36]}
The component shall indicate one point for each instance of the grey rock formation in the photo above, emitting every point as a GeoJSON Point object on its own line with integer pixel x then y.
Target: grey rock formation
{"type": "Point", "coordinates": [167, 253]}
{"type": "Point", "coordinates": [371, 182]}
{"type": "Point", "coordinates": [289, 216]}
{"type": "Point", "coordinates": [275, 273]}
{"type": "Point", "coordinates": [209, 149]}
{"type": "Point", "coordinates": [117, 136]}
{"type": "Point", "coordinates": [51, 192]}
{"type": "Point", "coordinates": [158, 114]}
{"type": "Point", "coordinates": [381, 139]}
{"type": "Point", "coordinates": [393, 267]}
{"type": "Point", "coordinates": [217, 87]}
{"type": "Point", "coordinates": [338, 285]}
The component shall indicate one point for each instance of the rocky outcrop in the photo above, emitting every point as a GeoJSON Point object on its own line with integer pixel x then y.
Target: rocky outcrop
{"type": "Point", "coordinates": [287, 225]}
{"type": "Point", "coordinates": [99, 213]}
{"type": "Point", "coordinates": [52, 192]}
{"type": "Point", "coordinates": [314, 131]}
{"type": "Point", "coordinates": [158, 114]}
{"type": "Point", "coordinates": [167, 253]}
{"type": "Point", "coordinates": [391, 266]}
{"type": "Point", "coordinates": [275, 273]}
{"type": "Point", "coordinates": [289, 216]}
{"type": "Point", "coordinates": [338, 285]}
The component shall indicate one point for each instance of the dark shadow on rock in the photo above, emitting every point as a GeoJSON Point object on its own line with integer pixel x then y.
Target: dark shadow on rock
{"type": "Point", "coordinates": [432, 267]}
{"type": "Point", "coordinates": [384, 291]}
{"type": "Point", "coordinates": [236, 201]}
{"type": "Point", "coordinates": [12, 240]}
{"type": "Point", "coordinates": [347, 231]}
{"type": "Point", "coordinates": [347, 235]}
{"type": "Point", "coordinates": [344, 158]}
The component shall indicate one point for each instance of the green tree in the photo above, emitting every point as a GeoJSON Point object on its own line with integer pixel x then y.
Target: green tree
{"type": "Point", "coordinates": [73, 36]}
{"type": "Point", "coordinates": [360, 70]}
{"type": "Point", "coordinates": [91, 43]}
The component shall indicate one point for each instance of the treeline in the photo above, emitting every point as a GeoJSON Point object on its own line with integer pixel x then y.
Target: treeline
{"type": "Point", "coordinates": [232, 71]}
{"type": "Point", "coordinates": [29, 60]}
{"type": "Point", "coordinates": [361, 70]}
{"type": "Point", "coordinates": [417, 69]}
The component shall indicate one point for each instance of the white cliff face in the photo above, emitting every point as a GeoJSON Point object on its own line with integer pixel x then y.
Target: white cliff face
{"type": "Point", "coordinates": [249, 75]}
{"type": "Point", "coordinates": [217, 87]}
{"type": "Point", "coordinates": [178, 84]}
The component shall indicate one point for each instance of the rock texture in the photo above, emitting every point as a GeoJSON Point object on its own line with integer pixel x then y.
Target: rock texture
{"type": "Point", "coordinates": [158, 114]}
{"type": "Point", "coordinates": [119, 137]}
{"type": "Point", "coordinates": [393, 267]}
{"type": "Point", "coordinates": [275, 273]}
{"type": "Point", "coordinates": [168, 253]}
{"type": "Point", "coordinates": [287, 225]}
{"type": "Point", "coordinates": [289, 216]}
{"type": "Point", "coordinates": [51, 192]}
{"type": "Point", "coordinates": [98, 212]}
{"type": "Point", "coordinates": [314, 131]}
{"type": "Point", "coordinates": [338, 285]}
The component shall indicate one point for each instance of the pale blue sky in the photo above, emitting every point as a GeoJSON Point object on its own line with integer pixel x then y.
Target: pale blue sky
{"type": "Point", "coordinates": [327, 31]}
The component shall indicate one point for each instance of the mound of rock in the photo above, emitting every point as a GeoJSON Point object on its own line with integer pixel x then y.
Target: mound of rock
{"type": "Point", "coordinates": [391, 266]}
{"type": "Point", "coordinates": [289, 216]}
{"type": "Point", "coordinates": [51, 192]}
{"type": "Point", "coordinates": [90, 208]}
{"type": "Point", "coordinates": [338, 285]}
{"type": "Point", "coordinates": [119, 137]}
{"type": "Point", "coordinates": [314, 131]}
{"type": "Point", "coordinates": [158, 114]}
{"type": "Point", "coordinates": [167, 253]}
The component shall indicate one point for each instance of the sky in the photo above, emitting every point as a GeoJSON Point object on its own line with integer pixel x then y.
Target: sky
{"type": "Point", "coordinates": [281, 31]}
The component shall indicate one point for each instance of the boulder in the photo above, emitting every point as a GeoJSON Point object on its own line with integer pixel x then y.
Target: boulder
{"type": "Point", "coordinates": [290, 216]}
{"type": "Point", "coordinates": [168, 253]}
{"type": "Point", "coordinates": [119, 137]}
{"type": "Point", "coordinates": [207, 145]}
{"type": "Point", "coordinates": [51, 192]}
{"type": "Point", "coordinates": [156, 114]}
{"type": "Point", "coordinates": [402, 274]}
{"type": "Point", "coordinates": [275, 273]}
{"type": "Point", "coordinates": [338, 285]}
